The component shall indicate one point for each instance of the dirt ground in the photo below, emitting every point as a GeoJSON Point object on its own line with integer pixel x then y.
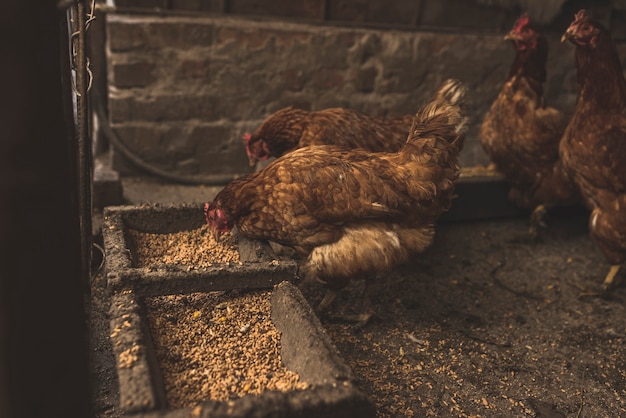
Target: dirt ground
{"type": "Point", "coordinates": [484, 324]}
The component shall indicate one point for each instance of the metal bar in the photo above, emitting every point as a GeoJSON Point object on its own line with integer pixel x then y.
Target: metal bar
{"type": "Point", "coordinates": [85, 164]}
{"type": "Point", "coordinates": [44, 351]}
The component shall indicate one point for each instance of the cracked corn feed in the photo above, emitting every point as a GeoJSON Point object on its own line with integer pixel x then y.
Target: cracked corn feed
{"type": "Point", "coordinates": [219, 347]}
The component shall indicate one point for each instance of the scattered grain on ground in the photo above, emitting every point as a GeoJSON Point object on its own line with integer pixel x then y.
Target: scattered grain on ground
{"type": "Point", "coordinates": [484, 324]}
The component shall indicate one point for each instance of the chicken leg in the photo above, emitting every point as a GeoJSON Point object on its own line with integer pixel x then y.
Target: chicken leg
{"type": "Point", "coordinates": [328, 299]}
{"type": "Point", "coordinates": [367, 310]}
{"type": "Point", "coordinates": [609, 281]}
{"type": "Point", "coordinates": [536, 221]}
{"type": "Point", "coordinates": [361, 319]}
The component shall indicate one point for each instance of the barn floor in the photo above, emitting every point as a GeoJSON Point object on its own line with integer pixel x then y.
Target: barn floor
{"type": "Point", "coordinates": [484, 324]}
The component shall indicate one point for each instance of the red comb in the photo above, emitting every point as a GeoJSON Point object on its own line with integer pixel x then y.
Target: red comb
{"type": "Point", "coordinates": [522, 21]}
{"type": "Point", "coordinates": [582, 14]}
{"type": "Point", "coordinates": [246, 137]}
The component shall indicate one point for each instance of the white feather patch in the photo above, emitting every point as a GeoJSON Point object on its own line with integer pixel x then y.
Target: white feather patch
{"type": "Point", "coordinates": [594, 218]}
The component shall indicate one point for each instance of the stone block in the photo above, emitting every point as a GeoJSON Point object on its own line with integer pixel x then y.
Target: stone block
{"type": "Point", "coordinates": [328, 79]}
{"type": "Point", "coordinates": [135, 33]}
{"type": "Point", "coordinates": [194, 68]}
{"type": "Point", "coordinates": [181, 33]}
{"type": "Point", "coordinates": [183, 148]}
{"type": "Point", "coordinates": [107, 186]}
{"type": "Point", "coordinates": [293, 79]}
{"type": "Point", "coordinates": [364, 79]}
{"type": "Point", "coordinates": [125, 36]}
{"type": "Point", "coordinates": [137, 74]}
{"type": "Point", "coordinates": [165, 107]}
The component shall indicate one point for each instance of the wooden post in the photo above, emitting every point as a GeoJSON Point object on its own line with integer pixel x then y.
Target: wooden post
{"type": "Point", "coordinates": [44, 350]}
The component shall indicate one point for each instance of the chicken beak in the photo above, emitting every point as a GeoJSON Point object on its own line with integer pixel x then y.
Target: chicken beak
{"type": "Point", "coordinates": [215, 234]}
{"type": "Point", "coordinates": [510, 36]}
{"type": "Point", "coordinates": [567, 35]}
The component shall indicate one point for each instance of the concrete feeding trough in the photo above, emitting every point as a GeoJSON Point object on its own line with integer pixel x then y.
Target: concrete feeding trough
{"type": "Point", "coordinates": [480, 197]}
{"type": "Point", "coordinates": [305, 350]}
{"type": "Point", "coordinates": [484, 195]}
{"type": "Point", "coordinates": [259, 266]}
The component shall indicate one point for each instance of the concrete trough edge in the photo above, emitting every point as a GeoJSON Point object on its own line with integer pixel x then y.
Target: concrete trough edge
{"type": "Point", "coordinates": [135, 359]}
{"type": "Point", "coordinates": [482, 197]}
{"type": "Point", "coordinates": [306, 349]}
{"type": "Point", "coordinates": [260, 267]}
{"type": "Point", "coordinates": [247, 276]}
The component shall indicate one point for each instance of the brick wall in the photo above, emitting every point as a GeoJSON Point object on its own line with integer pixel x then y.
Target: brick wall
{"type": "Point", "coordinates": [183, 90]}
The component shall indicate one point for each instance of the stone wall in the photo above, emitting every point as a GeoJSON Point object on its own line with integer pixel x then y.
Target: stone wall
{"type": "Point", "coordinates": [182, 90]}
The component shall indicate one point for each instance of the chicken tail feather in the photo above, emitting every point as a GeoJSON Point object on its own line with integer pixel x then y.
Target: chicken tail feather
{"type": "Point", "coordinates": [444, 116]}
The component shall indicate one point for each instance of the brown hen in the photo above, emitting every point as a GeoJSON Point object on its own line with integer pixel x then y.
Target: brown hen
{"type": "Point", "coordinates": [593, 149]}
{"type": "Point", "coordinates": [521, 134]}
{"type": "Point", "coordinates": [352, 212]}
{"type": "Point", "coordinates": [290, 128]}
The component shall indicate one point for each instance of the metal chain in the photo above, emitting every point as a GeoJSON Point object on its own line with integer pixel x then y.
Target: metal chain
{"type": "Point", "coordinates": [74, 48]}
